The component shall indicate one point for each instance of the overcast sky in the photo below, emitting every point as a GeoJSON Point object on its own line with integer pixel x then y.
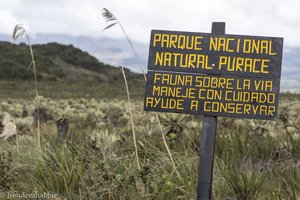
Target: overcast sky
{"type": "Point", "coordinates": [77, 17]}
{"type": "Point", "coordinates": [277, 18]}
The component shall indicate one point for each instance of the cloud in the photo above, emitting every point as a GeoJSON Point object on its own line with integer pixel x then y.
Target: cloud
{"type": "Point", "coordinates": [83, 19]}
{"type": "Point", "coordinates": [7, 21]}
{"type": "Point", "coordinates": [290, 70]}
{"type": "Point", "coordinates": [74, 17]}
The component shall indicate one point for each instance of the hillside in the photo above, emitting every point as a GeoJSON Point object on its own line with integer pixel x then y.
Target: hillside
{"type": "Point", "coordinates": [61, 65]}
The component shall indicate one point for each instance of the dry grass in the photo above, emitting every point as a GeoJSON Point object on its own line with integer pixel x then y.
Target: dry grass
{"type": "Point", "coordinates": [18, 32]}
{"type": "Point", "coordinates": [110, 18]}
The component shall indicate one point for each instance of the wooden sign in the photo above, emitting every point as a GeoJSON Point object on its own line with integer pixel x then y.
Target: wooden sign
{"type": "Point", "coordinates": [213, 74]}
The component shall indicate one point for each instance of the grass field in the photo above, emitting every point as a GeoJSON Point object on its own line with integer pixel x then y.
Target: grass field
{"type": "Point", "coordinates": [254, 159]}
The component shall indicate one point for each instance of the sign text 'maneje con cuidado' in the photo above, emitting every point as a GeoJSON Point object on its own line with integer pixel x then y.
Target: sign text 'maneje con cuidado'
{"type": "Point", "coordinates": [219, 75]}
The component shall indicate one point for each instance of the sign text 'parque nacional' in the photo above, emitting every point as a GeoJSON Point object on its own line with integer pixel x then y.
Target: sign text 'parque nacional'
{"type": "Point", "coordinates": [213, 74]}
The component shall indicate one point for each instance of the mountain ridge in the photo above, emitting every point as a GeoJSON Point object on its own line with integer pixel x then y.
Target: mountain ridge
{"type": "Point", "coordinates": [108, 50]}
{"type": "Point", "coordinates": [53, 61]}
{"type": "Point", "coordinates": [58, 64]}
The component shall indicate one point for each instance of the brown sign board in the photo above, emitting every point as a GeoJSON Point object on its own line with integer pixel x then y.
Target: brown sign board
{"type": "Point", "coordinates": [213, 74]}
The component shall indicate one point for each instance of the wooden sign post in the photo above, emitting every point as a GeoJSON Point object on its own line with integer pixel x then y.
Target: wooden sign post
{"type": "Point", "coordinates": [213, 74]}
{"type": "Point", "coordinates": [209, 131]}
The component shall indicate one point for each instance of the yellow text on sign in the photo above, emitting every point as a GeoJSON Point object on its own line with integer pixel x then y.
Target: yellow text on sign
{"type": "Point", "coordinates": [177, 41]}
{"type": "Point", "coordinates": [249, 46]}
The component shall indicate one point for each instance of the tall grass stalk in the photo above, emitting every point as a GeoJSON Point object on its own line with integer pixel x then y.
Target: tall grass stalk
{"type": "Point", "coordinates": [19, 31]}
{"type": "Point", "coordinates": [111, 18]}
{"type": "Point", "coordinates": [17, 144]}
{"type": "Point", "coordinates": [167, 147]}
{"type": "Point", "coordinates": [131, 119]}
